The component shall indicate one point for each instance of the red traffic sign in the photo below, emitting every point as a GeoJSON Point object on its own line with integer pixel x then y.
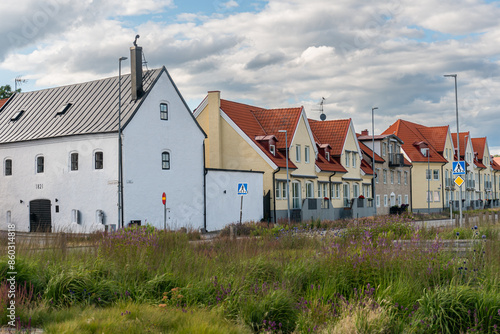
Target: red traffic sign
{"type": "Point", "coordinates": [164, 198]}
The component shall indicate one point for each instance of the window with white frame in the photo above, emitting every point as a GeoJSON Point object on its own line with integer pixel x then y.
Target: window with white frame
{"type": "Point", "coordinates": [378, 200]}
{"type": "Point", "coordinates": [406, 199]}
{"type": "Point", "coordinates": [8, 167]}
{"type": "Point", "coordinates": [377, 174]}
{"type": "Point", "coordinates": [385, 176]}
{"type": "Point", "coordinates": [40, 164]}
{"type": "Point", "coordinates": [355, 190]}
{"type": "Point", "coordinates": [306, 154]}
{"type": "Point", "coordinates": [385, 200]}
{"type": "Point", "coordinates": [353, 159]}
{"type": "Point", "coordinates": [98, 160]}
{"type": "Point", "coordinates": [297, 153]}
{"type": "Point", "coordinates": [281, 189]}
{"type": "Point", "coordinates": [384, 149]}
{"type": "Point", "coordinates": [399, 200]}
{"type": "Point", "coordinates": [347, 158]}
{"type": "Point", "coordinates": [436, 196]}
{"type": "Point", "coordinates": [322, 189]}
{"type": "Point", "coordinates": [272, 149]}
{"type": "Point", "coordinates": [327, 156]}
{"type": "Point", "coordinates": [406, 178]}
{"type": "Point", "coordinates": [427, 174]}
{"type": "Point", "coordinates": [392, 177]}
{"type": "Point", "coordinates": [399, 177]}
{"type": "Point", "coordinates": [429, 196]}
{"type": "Point", "coordinates": [165, 160]}
{"type": "Point", "coordinates": [335, 190]}
{"type": "Point", "coordinates": [309, 189]}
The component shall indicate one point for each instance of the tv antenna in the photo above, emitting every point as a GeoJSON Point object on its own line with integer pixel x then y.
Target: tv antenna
{"type": "Point", "coordinates": [20, 81]}
{"type": "Point", "coordinates": [322, 116]}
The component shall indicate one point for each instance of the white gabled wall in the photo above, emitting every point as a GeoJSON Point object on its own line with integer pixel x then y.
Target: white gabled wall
{"type": "Point", "coordinates": [86, 189]}
{"type": "Point", "coordinates": [144, 140]}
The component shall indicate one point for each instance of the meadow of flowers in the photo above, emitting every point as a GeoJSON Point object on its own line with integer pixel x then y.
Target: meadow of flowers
{"type": "Point", "coordinates": [378, 275]}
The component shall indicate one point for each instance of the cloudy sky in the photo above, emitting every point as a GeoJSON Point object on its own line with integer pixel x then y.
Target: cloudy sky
{"type": "Point", "coordinates": [278, 53]}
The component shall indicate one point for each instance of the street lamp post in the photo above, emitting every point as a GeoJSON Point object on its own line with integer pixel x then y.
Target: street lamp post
{"type": "Point", "coordinates": [120, 167]}
{"type": "Point", "coordinates": [429, 195]}
{"type": "Point", "coordinates": [287, 179]}
{"type": "Point", "coordinates": [373, 162]}
{"type": "Point", "coordinates": [458, 141]}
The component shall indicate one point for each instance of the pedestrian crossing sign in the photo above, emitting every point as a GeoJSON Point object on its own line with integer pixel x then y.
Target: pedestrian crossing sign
{"type": "Point", "coordinates": [242, 188]}
{"type": "Point", "coordinates": [458, 167]}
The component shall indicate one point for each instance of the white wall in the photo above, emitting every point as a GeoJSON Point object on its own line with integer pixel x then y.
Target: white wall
{"type": "Point", "coordinates": [145, 138]}
{"type": "Point", "coordinates": [86, 190]}
{"type": "Point", "coordinates": [223, 201]}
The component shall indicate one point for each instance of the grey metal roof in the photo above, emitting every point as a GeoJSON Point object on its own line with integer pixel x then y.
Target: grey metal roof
{"type": "Point", "coordinates": [94, 109]}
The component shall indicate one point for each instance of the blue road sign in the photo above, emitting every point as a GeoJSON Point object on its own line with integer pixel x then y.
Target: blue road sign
{"type": "Point", "coordinates": [458, 167]}
{"type": "Point", "coordinates": [242, 188]}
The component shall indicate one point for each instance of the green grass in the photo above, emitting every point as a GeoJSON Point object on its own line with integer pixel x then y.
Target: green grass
{"type": "Point", "coordinates": [361, 276]}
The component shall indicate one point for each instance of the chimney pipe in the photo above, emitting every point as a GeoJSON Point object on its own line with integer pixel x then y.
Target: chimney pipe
{"type": "Point", "coordinates": [136, 71]}
{"type": "Point", "coordinates": [364, 132]}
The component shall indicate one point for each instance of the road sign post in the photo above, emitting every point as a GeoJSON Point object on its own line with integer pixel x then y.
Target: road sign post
{"type": "Point", "coordinates": [164, 201]}
{"type": "Point", "coordinates": [242, 190]}
{"type": "Point", "coordinates": [459, 169]}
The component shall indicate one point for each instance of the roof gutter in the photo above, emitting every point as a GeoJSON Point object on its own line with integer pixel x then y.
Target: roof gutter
{"type": "Point", "coordinates": [274, 193]}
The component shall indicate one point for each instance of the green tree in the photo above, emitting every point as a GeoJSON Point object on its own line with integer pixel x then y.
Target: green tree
{"type": "Point", "coordinates": [6, 91]}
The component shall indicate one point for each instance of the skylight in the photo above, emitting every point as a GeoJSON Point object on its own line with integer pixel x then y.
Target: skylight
{"type": "Point", "coordinates": [17, 115]}
{"type": "Point", "coordinates": [63, 109]}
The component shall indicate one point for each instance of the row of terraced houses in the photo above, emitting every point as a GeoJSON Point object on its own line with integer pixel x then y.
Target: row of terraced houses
{"type": "Point", "coordinates": [223, 162]}
{"type": "Point", "coordinates": [331, 165]}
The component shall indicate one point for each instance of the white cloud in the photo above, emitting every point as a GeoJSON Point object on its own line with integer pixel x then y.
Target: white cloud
{"type": "Point", "coordinates": [390, 54]}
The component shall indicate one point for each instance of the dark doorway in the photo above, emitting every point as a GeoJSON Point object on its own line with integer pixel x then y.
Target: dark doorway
{"type": "Point", "coordinates": [40, 217]}
{"type": "Point", "coordinates": [267, 207]}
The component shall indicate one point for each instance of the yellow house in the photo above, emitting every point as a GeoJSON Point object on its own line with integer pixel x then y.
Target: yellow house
{"type": "Point", "coordinates": [430, 151]}
{"type": "Point", "coordinates": [354, 185]}
{"type": "Point", "coordinates": [245, 137]}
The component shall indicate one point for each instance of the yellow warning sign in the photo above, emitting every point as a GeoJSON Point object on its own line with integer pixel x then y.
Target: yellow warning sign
{"type": "Point", "coordinates": [459, 181]}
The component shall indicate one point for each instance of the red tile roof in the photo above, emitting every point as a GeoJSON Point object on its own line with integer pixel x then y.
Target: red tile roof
{"type": "Point", "coordinates": [478, 145]}
{"type": "Point", "coordinates": [463, 143]}
{"type": "Point", "coordinates": [2, 102]}
{"type": "Point", "coordinates": [332, 132]}
{"type": "Point", "coordinates": [495, 163]}
{"type": "Point", "coordinates": [412, 133]}
{"type": "Point", "coordinates": [255, 121]}
{"type": "Point", "coordinates": [329, 166]}
{"type": "Point", "coordinates": [365, 167]}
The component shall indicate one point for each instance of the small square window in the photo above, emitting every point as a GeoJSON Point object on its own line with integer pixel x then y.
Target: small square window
{"type": "Point", "coordinates": [164, 111]}
{"type": "Point", "coordinates": [99, 160]}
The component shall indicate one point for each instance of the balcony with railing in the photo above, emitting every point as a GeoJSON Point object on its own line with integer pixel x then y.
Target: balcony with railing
{"type": "Point", "coordinates": [396, 160]}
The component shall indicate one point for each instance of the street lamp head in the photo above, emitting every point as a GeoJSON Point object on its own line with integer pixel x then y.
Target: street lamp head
{"type": "Point", "coordinates": [374, 108]}
{"type": "Point", "coordinates": [450, 75]}
{"type": "Point", "coordinates": [122, 58]}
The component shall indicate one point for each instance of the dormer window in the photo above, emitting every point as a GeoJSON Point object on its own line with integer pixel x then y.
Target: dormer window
{"type": "Point", "coordinates": [327, 156]}
{"type": "Point", "coordinates": [424, 151]}
{"type": "Point", "coordinates": [17, 116]}
{"type": "Point", "coordinates": [63, 109]}
{"type": "Point", "coordinates": [272, 149]}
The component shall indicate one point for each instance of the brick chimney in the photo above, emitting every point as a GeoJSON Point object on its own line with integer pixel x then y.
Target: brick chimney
{"type": "Point", "coordinates": [364, 132]}
{"type": "Point", "coordinates": [136, 72]}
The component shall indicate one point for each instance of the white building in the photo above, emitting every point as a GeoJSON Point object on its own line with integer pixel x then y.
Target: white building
{"type": "Point", "coordinates": [59, 155]}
